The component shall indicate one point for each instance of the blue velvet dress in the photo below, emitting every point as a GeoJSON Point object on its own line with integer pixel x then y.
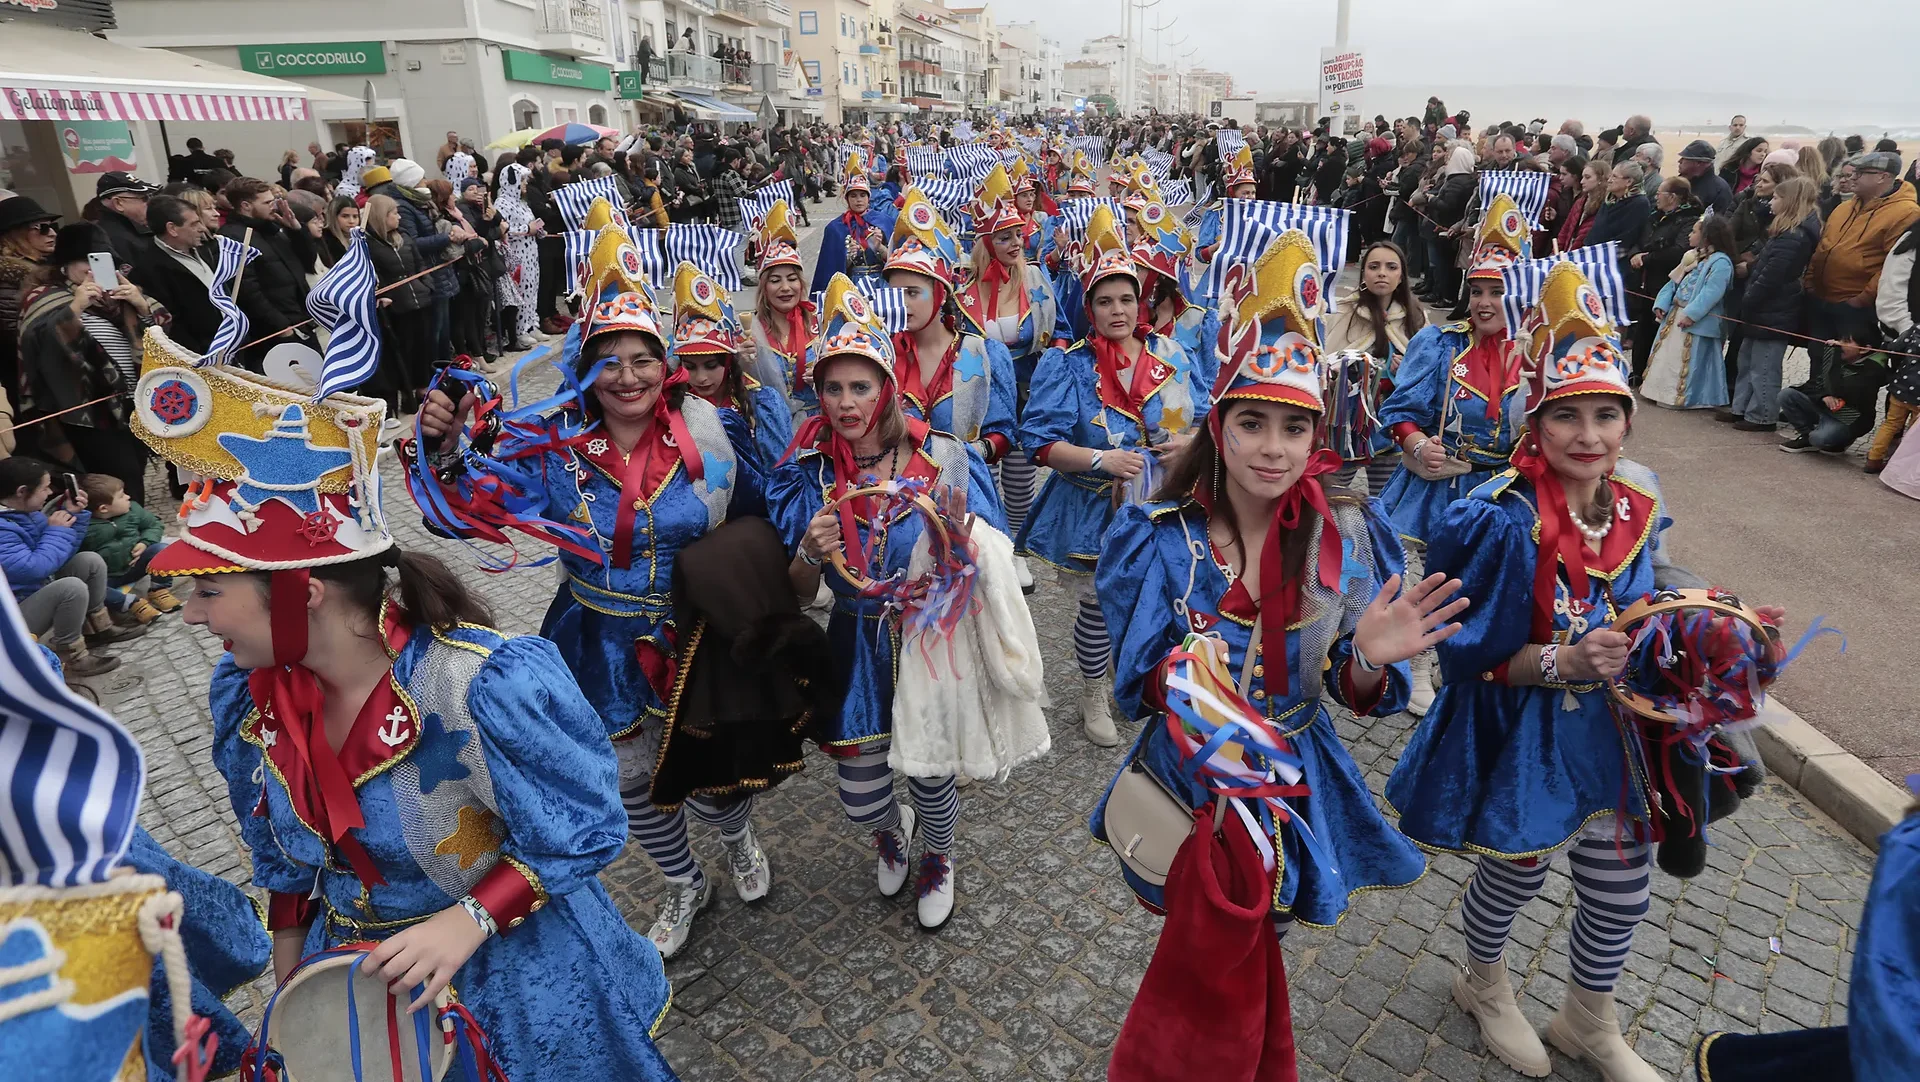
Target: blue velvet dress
{"type": "Point", "coordinates": [1197, 329]}
{"type": "Point", "coordinates": [1883, 1000]}
{"type": "Point", "coordinates": [225, 936]}
{"type": "Point", "coordinates": [772, 422]}
{"type": "Point", "coordinates": [1429, 383]}
{"type": "Point", "coordinates": [499, 757]}
{"type": "Point", "coordinates": [1148, 575]}
{"type": "Point", "coordinates": [976, 400]}
{"type": "Point", "coordinates": [866, 633]}
{"type": "Point", "coordinates": [1072, 510]}
{"type": "Point", "coordinates": [842, 253]}
{"type": "Point", "coordinates": [1508, 771]}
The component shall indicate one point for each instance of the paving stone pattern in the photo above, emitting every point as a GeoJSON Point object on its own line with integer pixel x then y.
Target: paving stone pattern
{"type": "Point", "coordinates": [826, 981]}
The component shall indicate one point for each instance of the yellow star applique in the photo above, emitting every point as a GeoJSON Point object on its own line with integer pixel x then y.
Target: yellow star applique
{"type": "Point", "coordinates": [474, 838]}
{"type": "Point", "coordinates": [1173, 420]}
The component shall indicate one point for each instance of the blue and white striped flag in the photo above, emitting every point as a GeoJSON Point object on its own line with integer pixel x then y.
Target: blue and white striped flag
{"type": "Point", "coordinates": [1176, 192]}
{"type": "Point", "coordinates": [342, 302]}
{"type": "Point", "coordinates": [1159, 165]}
{"type": "Point", "coordinates": [713, 249]}
{"type": "Point", "coordinates": [924, 162]}
{"type": "Point", "coordinates": [1599, 262]}
{"type": "Point", "coordinates": [649, 243]}
{"type": "Point", "coordinates": [70, 775]}
{"type": "Point", "coordinates": [889, 304]}
{"type": "Point", "coordinates": [1077, 212]}
{"type": "Point", "coordinates": [1030, 142]}
{"type": "Point", "coordinates": [963, 130]}
{"type": "Point", "coordinates": [233, 322]}
{"type": "Point", "coordinates": [972, 162]}
{"type": "Point", "coordinates": [1247, 225]}
{"type": "Point", "coordinates": [1093, 146]}
{"type": "Point", "coordinates": [754, 208]}
{"type": "Point", "coordinates": [1228, 140]}
{"type": "Point", "coordinates": [1201, 198]}
{"type": "Point", "coordinates": [946, 193]}
{"type": "Point", "coordinates": [574, 200]}
{"type": "Point", "coordinates": [1526, 188]}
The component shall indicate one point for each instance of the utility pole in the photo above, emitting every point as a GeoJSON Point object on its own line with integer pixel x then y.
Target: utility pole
{"type": "Point", "coordinates": [1340, 24]}
{"type": "Point", "coordinates": [1157, 95]}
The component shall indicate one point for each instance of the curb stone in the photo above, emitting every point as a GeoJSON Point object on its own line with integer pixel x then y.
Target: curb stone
{"type": "Point", "coordinates": [1832, 779]}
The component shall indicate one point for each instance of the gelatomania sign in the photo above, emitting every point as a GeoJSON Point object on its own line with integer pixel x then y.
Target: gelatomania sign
{"type": "Point", "coordinates": [321, 58]}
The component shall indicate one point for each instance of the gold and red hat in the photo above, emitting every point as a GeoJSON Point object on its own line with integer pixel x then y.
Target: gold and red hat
{"type": "Point", "coordinates": [993, 208]}
{"type": "Point", "coordinates": [1572, 344]}
{"type": "Point", "coordinates": [1103, 252]}
{"type": "Point", "coordinates": [850, 327]}
{"type": "Point", "coordinates": [1163, 243]}
{"type": "Point", "coordinates": [618, 296]}
{"type": "Point", "coordinates": [922, 243]}
{"type": "Point", "coordinates": [854, 175]}
{"type": "Point", "coordinates": [1239, 168]}
{"type": "Point", "coordinates": [1270, 344]}
{"type": "Point", "coordinates": [779, 244]}
{"type": "Point", "coordinates": [703, 316]}
{"type": "Point", "coordinates": [1021, 177]}
{"type": "Point", "coordinates": [1504, 239]}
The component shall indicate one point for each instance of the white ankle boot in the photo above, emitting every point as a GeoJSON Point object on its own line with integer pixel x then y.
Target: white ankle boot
{"type": "Point", "coordinates": [1587, 1028]}
{"type": "Point", "coordinates": [1023, 574]}
{"type": "Point", "coordinates": [1096, 713]}
{"type": "Point", "coordinates": [1484, 992]}
{"type": "Point", "coordinates": [1421, 695]}
{"type": "Point", "coordinates": [892, 866]}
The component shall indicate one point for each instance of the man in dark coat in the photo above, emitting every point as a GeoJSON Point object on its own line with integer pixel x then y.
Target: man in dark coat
{"type": "Point", "coordinates": [122, 199]}
{"type": "Point", "coordinates": [1709, 191]}
{"type": "Point", "coordinates": [173, 269]}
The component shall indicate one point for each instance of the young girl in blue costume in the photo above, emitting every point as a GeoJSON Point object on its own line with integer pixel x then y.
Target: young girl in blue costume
{"type": "Point", "coordinates": [1318, 575]}
{"type": "Point", "coordinates": [1008, 299]}
{"type": "Point", "coordinates": [1521, 755]}
{"type": "Point", "coordinates": [1036, 222]}
{"type": "Point", "coordinates": [784, 321]}
{"type": "Point", "coordinates": [708, 342]}
{"type": "Point", "coordinates": [861, 437]}
{"type": "Point", "coordinates": [1098, 408]}
{"type": "Point", "coordinates": [656, 470]}
{"type": "Point", "coordinates": [1449, 409]}
{"type": "Point", "coordinates": [401, 772]}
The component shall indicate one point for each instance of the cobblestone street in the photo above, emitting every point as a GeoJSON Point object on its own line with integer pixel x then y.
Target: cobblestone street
{"type": "Point", "coordinates": [826, 981]}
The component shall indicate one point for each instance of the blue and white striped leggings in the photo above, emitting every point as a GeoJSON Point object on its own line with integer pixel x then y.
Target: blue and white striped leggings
{"type": "Point", "coordinates": [1091, 646]}
{"type": "Point", "coordinates": [1017, 473]}
{"type": "Point", "coordinates": [664, 837]}
{"type": "Point", "coordinates": [866, 792]}
{"type": "Point", "coordinates": [1610, 895]}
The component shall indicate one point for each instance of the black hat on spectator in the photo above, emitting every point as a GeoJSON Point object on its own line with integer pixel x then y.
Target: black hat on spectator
{"type": "Point", "coordinates": [112, 184]}
{"type": "Point", "coordinates": [20, 210]}
{"type": "Point", "coordinates": [1697, 151]}
{"type": "Point", "coordinates": [76, 241]}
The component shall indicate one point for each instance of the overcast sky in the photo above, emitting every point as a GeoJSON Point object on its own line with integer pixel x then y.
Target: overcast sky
{"type": "Point", "coordinates": [1844, 52]}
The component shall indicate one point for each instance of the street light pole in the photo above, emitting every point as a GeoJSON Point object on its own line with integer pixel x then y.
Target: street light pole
{"type": "Point", "coordinates": [1344, 17]}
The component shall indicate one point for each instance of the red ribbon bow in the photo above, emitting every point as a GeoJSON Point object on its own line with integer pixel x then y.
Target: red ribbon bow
{"type": "Point", "coordinates": [1558, 541]}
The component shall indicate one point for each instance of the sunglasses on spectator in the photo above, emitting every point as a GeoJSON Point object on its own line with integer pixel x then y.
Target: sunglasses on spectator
{"type": "Point", "coordinates": [46, 227]}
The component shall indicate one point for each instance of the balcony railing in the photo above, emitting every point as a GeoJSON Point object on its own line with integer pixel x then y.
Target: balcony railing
{"type": "Point", "coordinates": [868, 48]}
{"type": "Point", "coordinates": [583, 17]}
{"type": "Point", "coordinates": [687, 69]}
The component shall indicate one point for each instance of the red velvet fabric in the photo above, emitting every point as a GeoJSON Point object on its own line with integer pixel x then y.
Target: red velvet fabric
{"type": "Point", "coordinates": [1213, 1004]}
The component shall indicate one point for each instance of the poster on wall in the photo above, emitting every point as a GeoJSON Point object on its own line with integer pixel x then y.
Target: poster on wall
{"type": "Point", "coordinates": [97, 146]}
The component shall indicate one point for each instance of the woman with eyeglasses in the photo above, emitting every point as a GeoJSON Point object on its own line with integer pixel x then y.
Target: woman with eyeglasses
{"type": "Point", "coordinates": [657, 470]}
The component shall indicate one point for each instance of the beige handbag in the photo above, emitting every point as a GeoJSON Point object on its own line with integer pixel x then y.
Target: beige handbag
{"type": "Point", "coordinates": [1146, 823]}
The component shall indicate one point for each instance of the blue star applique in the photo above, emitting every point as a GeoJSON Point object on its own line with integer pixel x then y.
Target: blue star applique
{"type": "Point", "coordinates": [716, 470]}
{"type": "Point", "coordinates": [1353, 573]}
{"type": "Point", "coordinates": [284, 463]}
{"type": "Point", "coordinates": [1036, 295]}
{"type": "Point", "coordinates": [437, 755]}
{"type": "Point", "coordinates": [970, 365]}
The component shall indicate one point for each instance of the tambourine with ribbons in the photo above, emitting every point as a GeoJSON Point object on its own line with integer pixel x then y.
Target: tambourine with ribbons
{"type": "Point", "coordinates": [327, 1006]}
{"type": "Point", "coordinates": [487, 480]}
{"type": "Point", "coordinates": [935, 600]}
{"type": "Point", "coordinates": [1351, 392]}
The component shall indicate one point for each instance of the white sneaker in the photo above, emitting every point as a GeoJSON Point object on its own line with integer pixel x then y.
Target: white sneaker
{"type": "Point", "coordinates": [684, 901]}
{"type": "Point", "coordinates": [752, 874]}
{"type": "Point", "coordinates": [935, 890]}
{"type": "Point", "coordinates": [893, 865]}
{"type": "Point", "coordinates": [1420, 696]}
{"type": "Point", "coordinates": [1096, 713]}
{"type": "Point", "coordinates": [1023, 574]}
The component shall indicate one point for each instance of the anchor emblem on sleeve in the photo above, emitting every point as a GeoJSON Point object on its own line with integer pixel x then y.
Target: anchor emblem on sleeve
{"type": "Point", "coordinates": [396, 731]}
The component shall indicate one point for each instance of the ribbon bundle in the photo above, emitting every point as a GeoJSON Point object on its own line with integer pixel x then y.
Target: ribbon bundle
{"type": "Point", "coordinates": [933, 604]}
{"type": "Point", "coordinates": [1351, 392]}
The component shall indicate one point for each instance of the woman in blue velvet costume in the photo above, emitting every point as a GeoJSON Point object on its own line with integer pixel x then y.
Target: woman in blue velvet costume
{"type": "Point", "coordinates": [784, 322]}
{"type": "Point", "coordinates": [1099, 408]}
{"type": "Point", "coordinates": [1521, 755]}
{"type": "Point", "coordinates": [1246, 546]}
{"type": "Point", "coordinates": [862, 436]}
{"type": "Point", "coordinates": [656, 470]}
{"type": "Point", "coordinates": [1452, 405]}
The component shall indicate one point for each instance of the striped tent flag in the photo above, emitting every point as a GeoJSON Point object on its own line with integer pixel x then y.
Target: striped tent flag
{"type": "Point", "coordinates": [1246, 225]}
{"type": "Point", "coordinates": [971, 162]}
{"type": "Point", "coordinates": [342, 302]}
{"type": "Point", "coordinates": [1599, 262]}
{"type": "Point", "coordinates": [1177, 192]}
{"type": "Point", "coordinates": [713, 249]}
{"type": "Point", "coordinates": [1228, 140]}
{"type": "Point", "coordinates": [1159, 165]}
{"type": "Point", "coordinates": [574, 200]}
{"type": "Point", "coordinates": [1202, 197]}
{"type": "Point", "coordinates": [925, 162]}
{"type": "Point", "coordinates": [753, 209]}
{"type": "Point", "coordinates": [1526, 188]}
{"type": "Point", "coordinates": [233, 322]}
{"type": "Point", "coordinates": [945, 193]}
{"type": "Point", "coordinates": [70, 775]}
{"type": "Point", "coordinates": [889, 304]}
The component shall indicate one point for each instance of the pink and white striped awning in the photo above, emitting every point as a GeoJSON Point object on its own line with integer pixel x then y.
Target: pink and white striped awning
{"type": "Point", "coordinates": [31, 103]}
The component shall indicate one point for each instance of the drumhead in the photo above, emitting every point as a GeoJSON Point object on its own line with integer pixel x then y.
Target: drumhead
{"type": "Point", "coordinates": [308, 1027]}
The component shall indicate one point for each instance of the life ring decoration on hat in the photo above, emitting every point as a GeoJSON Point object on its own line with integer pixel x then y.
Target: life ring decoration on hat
{"type": "Point", "coordinates": [618, 294]}
{"type": "Point", "coordinates": [850, 327]}
{"type": "Point", "coordinates": [922, 242]}
{"type": "Point", "coordinates": [284, 481]}
{"type": "Point", "coordinates": [1504, 239]}
{"type": "Point", "coordinates": [1570, 342]}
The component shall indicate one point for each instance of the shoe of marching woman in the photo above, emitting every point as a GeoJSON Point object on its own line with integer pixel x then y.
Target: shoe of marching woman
{"type": "Point", "coordinates": [1484, 992]}
{"type": "Point", "coordinates": [934, 888]}
{"type": "Point", "coordinates": [1096, 713]}
{"type": "Point", "coordinates": [1023, 574]}
{"type": "Point", "coordinates": [752, 874]}
{"type": "Point", "coordinates": [1725, 417]}
{"type": "Point", "coordinates": [675, 923]}
{"type": "Point", "coordinates": [77, 661]}
{"type": "Point", "coordinates": [1586, 1027]}
{"type": "Point", "coordinates": [142, 611]}
{"type": "Point", "coordinates": [1421, 695]}
{"type": "Point", "coordinates": [160, 597]}
{"type": "Point", "coordinates": [103, 628]}
{"type": "Point", "coordinates": [892, 866]}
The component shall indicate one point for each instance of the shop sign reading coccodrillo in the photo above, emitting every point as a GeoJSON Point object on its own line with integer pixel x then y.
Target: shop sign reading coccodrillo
{"type": "Point", "coordinates": [318, 58]}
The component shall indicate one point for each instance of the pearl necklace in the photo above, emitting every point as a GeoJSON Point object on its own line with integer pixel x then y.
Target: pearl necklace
{"type": "Point", "coordinates": [1595, 534]}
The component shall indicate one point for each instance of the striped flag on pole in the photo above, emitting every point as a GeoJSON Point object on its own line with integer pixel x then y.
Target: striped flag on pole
{"type": "Point", "coordinates": [343, 304]}
{"type": "Point", "coordinates": [1159, 164]}
{"type": "Point", "coordinates": [1599, 262]}
{"type": "Point", "coordinates": [972, 162]}
{"type": "Point", "coordinates": [1093, 146]}
{"type": "Point", "coordinates": [889, 304]}
{"type": "Point", "coordinates": [945, 193]}
{"type": "Point", "coordinates": [1176, 192]}
{"type": "Point", "coordinates": [1527, 189]}
{"type": "Point", "coordinates": [924, 162]}
{"type": "Point", "coordinates": [574, 200]}
{"type": "Point", "coordinates": [233, 322]}
{"type": "Point", "coordinates": [1228, 140]}
{"type": "Point", "coordinates": [1247, 225]}
{"type": "Point", "coordinates": [70, 775]}
{"type": "Point", "coordinates": [1077, 212]}
{"type": "Point", "coordinates": [711, 248]}
{"type": "Point", "coordinates": [753, 209]}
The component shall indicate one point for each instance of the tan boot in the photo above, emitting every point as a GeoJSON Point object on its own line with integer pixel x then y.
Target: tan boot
{"type": "Point", "coordinates": [1096, 713]}
{"type": "Point", "coordinates": [160, 597]}
{"type": "Point", "coordinates": [1586, 1028]}
{"type": "Point", "coordinates": [143, 611]}
{"type": "Point", "coordinates": [76, 661]}
{"type": "Point", "coordinates": [1420, 696]}
{"type": "Point", "coordinates": [1484, 992]}
{"type": "Point", "coordinates": [103, 629]}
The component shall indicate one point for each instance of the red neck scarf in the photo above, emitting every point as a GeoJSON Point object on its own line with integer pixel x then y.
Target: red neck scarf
{"type": "Point", "coordinates": [1559, 541]}
{"type": "Point", "coordinates": [992, 278]}
{"type": "Point", "coordinates": [818, 432]}
{"type": "Point", "coordinates": [288, 692]}
{"type": "Point", "coordinates": [1492, 367]}
{"type": "Point", "coordinates": [907, 363]}
{"type": "Point", "coordinates": [856, 227]}
{"type": "Point", "coordinates": [1109, 361]}
{"type": "Point", "coordinates": [795, 343]}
